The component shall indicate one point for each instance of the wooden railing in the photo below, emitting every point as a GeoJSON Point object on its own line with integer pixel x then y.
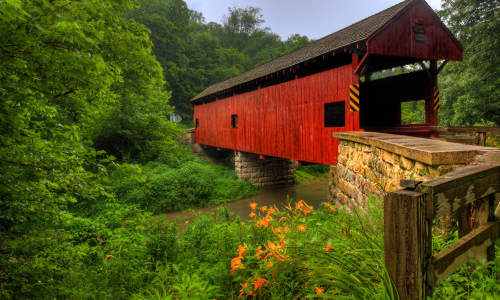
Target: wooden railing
{"type": "Point", "coordinates": [408, 218]}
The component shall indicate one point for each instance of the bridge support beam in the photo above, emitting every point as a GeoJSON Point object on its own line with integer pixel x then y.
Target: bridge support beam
{"type": "Point", "coordinates": [266, 172]}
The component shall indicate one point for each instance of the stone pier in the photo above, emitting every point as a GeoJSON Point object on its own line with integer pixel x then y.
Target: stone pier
{"type": "Point", "coordinates": [260, 171]}
{"type": "Point", "coordinates": [264, 171]}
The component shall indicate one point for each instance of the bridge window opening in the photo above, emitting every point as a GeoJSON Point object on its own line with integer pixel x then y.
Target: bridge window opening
{"type": "Point", "coordinates": [335, 114]}
{"type": "Point", "coordinates": [234, 121]}
{"type": "Point", "coordinates": [197, 123]}
{"type": "Point", "coordinates": [413, 112]}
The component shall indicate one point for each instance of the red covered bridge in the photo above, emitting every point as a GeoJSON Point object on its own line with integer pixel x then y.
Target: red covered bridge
{"type": "Point", "coordinates": [289, 107]}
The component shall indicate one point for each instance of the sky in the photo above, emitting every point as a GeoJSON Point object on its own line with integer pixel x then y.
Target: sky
{"type": "Point", "coordinates": [313, 18]}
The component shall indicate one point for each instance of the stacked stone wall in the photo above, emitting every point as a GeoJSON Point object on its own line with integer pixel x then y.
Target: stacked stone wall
{"type": "Point", "coordinates": [265, 172]}
{"type": "Point", "coordinates": [365, 170]}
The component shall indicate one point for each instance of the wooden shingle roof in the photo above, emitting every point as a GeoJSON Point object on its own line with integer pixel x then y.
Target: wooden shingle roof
{"type": "Point", "coordinates": [352, 34]}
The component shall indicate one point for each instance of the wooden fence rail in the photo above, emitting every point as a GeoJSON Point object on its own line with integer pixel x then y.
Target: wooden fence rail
{"type": "Point", "coordinates": [408, 218]}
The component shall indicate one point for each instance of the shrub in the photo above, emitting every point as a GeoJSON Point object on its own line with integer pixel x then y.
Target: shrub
{"type": "Point", "coordinates": [159, 188]}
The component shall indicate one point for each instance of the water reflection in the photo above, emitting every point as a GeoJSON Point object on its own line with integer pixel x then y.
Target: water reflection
{"type": "Point", "coordinates": [313, 193]}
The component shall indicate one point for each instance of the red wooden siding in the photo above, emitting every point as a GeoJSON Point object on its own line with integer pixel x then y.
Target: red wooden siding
{"type": "Point", "coordinates": [284, 120]}
{"type": "Point", "coordinates": [397, 38]}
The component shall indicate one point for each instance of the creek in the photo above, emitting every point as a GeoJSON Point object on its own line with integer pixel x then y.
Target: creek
{"type": "Point", "coordinates": [312, 192]}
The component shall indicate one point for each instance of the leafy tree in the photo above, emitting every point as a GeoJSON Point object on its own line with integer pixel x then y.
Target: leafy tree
{"type": "Point", "coordinates": [471, 89]}
{"type": "Point", "coordinates": [67, 66]}
{"type": "Point", "coordinates": [195, 55]}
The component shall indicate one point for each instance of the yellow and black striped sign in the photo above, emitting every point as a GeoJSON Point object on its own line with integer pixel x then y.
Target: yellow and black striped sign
{"type": "Point", "coordinates": [436, 99]}
{"type": "Point", "coordinates": [354, 97]}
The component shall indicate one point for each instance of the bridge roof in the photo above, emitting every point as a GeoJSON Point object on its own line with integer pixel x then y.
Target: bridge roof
{"type": "Point", "coordinates": [352, 34]}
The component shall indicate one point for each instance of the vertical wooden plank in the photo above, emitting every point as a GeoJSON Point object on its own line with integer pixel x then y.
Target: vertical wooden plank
{"type": "Point", "coordinates": [407, 243]}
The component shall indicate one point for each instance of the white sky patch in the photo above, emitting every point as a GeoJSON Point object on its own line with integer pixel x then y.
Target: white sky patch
{"type": "Point", "coordinates": [314, 18]}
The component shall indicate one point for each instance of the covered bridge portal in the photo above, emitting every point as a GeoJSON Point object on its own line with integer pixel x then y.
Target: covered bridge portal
{"type": "Point", "coordinates": [289, 107]}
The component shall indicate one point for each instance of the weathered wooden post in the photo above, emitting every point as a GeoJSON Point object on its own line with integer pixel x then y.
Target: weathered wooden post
{"type": "Point", "coordinates": [407, 242]}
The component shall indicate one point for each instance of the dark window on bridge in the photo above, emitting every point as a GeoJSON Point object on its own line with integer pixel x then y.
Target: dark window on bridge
{"type": "Point", "coordinates": [234, 121]}
{"type": "Point", "coordinates": [335, 114]}
{"type": "Point", "coordinates": [197, 123]}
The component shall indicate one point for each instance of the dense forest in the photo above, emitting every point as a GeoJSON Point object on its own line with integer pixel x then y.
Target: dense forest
{"type": "Point", "coordinates": [89, 159]}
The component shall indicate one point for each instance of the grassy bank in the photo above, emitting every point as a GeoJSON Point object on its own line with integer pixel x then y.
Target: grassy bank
{"type": "Point", "coordinates": [309, 173]}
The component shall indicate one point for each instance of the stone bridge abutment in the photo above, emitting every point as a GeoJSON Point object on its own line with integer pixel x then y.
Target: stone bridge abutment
{"type": "Point", "coordinates": [259, 170]}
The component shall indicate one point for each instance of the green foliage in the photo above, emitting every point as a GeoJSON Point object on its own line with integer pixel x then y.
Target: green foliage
{"type": "Point", "coordinates": [159, 188]}
{"type": "Point", "coordinates": [470, 89]}
{"type": "Point", "coordinates": [73, 74]}
{"type": "Point", "coordinates": [195, 55]}
{"type": "Point", "coordinates": [311, 172]}
{"type": "Point", "coordinates": [413, 112]}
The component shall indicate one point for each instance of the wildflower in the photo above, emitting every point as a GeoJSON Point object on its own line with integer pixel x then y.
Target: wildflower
{"type": "Point", "coordinates": [277, 230]}
{"type": "Point", "coordinates": [272, 249]}
{"type": "Point", "coordinates": [236, 261]}
{"type": "Point", "coordinates": [488, 138]}
{"type": "Point", "coordinates": [253, 205]}
{"type": "Point", "coordinates": [329, 247]}
{"type": "Point", "coordinates": [259, 252]}
{"type": "Point", "coordinates": [271, 211]}
{"type": "Point", "coordinates": [270, 264]}
{"type": "Point", "coordinates": [236, 264]}
{"type": "Point", "coordinates": [494, 143]}
{"type": "Point", "coordinates": [330, 207]}
{"type": "Point", "coordinates": [301, 227]}
{"type": "Point", "coordinates": [303, 208]}
{"type": "Point", "coordinates": [186, 222]}
{"type": "Point", "coordinates": [242, 250]}
{"type": "Point", "coordinates": [263, 208]}
{"type": "Point", "coordinates": [252, 215]}
{"type": "Point", "coordinates": [281, 219]}
{"type": "Point", "coordinates": [319, 290]}
{"type": "Point", "coordinates": [242, 290]}
{"type": "Point", "coordinates": [258, 283]}
{"type": "Point", "coordinates": [264, 222]}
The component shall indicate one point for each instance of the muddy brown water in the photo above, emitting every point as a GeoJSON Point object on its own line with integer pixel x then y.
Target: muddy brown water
{"type": "Point", "coordinates": [313, 193]}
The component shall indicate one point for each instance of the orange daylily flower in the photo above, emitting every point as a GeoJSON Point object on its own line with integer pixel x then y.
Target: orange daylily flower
{"type": "Point", "coordinates": [281, 219]}
{"type": "Point", "coordinates": [258, 283]}
{"type": "Point", "coordinates": [263, 208]}
{"type": "Point", "coordinates": [253, 205]}
{"type": "Point", "coordinates": [264, 222]}
{"type": "Point", "coordinates": [330, 207]}
{"type": "Point", "coordinates": [277, 230]}
{"type": "Point", "coordinates": [303, 208]}
{"type": "Point", "coordinates": [259, 252]}
{"type": "Point", "coordinates": [236, 261]}
{"type": "Point", "coordinates": [270, 264]}
{"type": "Point", "coordinates": [329, 247]}
{"type": "Point", "coordinates": [243, 286]}
{"type": "Point", "coordinates": [272, 250]}
{"type": "Point", "coordinates": [319, 290]}
{"type": "Point", "coordinates": [236, 264]}
{"type": "Point", "coordinates": [301, 227]}
{"type": "Point", "coordinates": [242, 250]}
{"type": "Point", "coordinates": [252, 215]}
